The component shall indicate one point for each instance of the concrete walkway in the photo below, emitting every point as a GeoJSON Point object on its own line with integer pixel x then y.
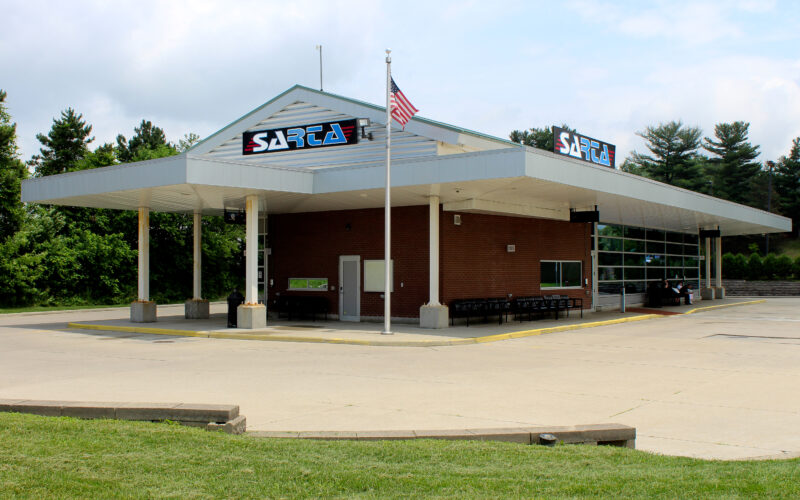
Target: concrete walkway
{"type": "Point", "coordinates": [721, 383]}
{"type": "Point", "coordinates": [368, 333]}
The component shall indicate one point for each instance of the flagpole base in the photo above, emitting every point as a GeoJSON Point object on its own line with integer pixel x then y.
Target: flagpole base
{"type": "Point", "coordinates": [387, 333]}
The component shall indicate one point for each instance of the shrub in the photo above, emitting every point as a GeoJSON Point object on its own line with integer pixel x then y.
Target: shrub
{"type": "Point", "coordinates": [783, 267]}
{"type": "Point", "coordinates": [755, 267]}
{"type": "Point", "coordinates": [734, 266]}
{"type": "Point", "coordinates": [741, 264]}
{"type": "Point", "coordinates": [769, 266]}
{"type": "Point", "coordinates": [796, 268]}
{"type": "Point", "coordinates": [729, 270]}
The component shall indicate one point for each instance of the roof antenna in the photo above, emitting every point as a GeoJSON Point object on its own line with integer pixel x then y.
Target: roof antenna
{"type": "Point", "coordinates": [319, 48]}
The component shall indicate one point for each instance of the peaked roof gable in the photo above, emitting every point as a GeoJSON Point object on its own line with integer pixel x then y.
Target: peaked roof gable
{"type": "Point", "coordinates": [424, 127]}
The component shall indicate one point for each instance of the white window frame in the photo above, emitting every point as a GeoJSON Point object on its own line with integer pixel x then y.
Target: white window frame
{"type": "Point", "coordinates": [307, 289]}
{"type": "Point", "coordinates": [580, 285]}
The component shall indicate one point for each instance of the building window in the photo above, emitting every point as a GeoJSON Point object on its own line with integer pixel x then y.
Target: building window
{"type": "Point", "coordinates": [309, 284]}
{"type": "Point", "coordinates": [560, 273]}
{"type": "Point", "coordinates": [634, 257]}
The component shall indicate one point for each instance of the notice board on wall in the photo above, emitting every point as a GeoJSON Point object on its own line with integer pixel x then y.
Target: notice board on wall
{"type": "Point", "coordinates": [374, 279]}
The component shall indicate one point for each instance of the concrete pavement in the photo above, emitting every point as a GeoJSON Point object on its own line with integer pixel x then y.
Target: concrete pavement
{"type": "Point", "coordinates": [722, 383]}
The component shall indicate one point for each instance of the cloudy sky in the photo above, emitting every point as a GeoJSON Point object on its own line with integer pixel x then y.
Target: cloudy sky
{"type": "Point", "coordinates": [607, 68]}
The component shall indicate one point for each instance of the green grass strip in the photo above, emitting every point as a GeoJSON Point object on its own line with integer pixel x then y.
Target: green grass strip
{"type": "Point", "coordinates": [12, 310]}
{"type": "Point", "coordinates": [44, 457]}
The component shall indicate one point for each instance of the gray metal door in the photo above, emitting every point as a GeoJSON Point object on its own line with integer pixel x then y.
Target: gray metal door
{"type": "Point", "coordinates": [350, 288]}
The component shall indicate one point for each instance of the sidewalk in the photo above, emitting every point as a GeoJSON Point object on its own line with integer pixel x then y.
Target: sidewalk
{"type": "Point", "coordinates": [368, 333]}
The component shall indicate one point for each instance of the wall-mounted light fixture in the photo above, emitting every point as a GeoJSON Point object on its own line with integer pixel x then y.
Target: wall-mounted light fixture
{"type": "Point", "coordinates": [364, 123]}
{"type": "Point", "coordinates": [511, 248]}
{"type": "Point", "coordinates": [457, 219]}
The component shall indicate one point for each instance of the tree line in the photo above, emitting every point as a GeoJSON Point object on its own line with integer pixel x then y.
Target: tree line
{"type": "Point", "coordinates": [724, 166]}
{"type": "Point", "coordinates": [56, 255]}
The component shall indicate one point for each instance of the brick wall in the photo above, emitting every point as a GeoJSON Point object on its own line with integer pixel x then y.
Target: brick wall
{"type": "Point", "coordinates": [473, 263]}
{"type": "Point", "coordinates": [308, 245]}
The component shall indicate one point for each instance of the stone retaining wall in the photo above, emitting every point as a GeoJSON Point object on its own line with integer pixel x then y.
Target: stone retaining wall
{"type": "Point", "coordinates": [745, 288]}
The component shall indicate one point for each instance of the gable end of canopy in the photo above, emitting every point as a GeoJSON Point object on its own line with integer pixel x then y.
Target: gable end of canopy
{"type": "Point", "coordinates": [301, 106]}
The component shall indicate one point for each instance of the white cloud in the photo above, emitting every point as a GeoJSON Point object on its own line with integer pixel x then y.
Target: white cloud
{"type": "Point", "coordinates": [691, 23]}
{"type": "Point", "coordinates": [605, 69]}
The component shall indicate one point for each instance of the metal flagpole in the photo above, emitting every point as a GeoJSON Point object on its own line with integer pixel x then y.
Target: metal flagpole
{"type": "Point", "coordinates": [387, 261]}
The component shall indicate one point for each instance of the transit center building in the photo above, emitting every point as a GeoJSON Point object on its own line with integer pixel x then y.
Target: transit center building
{"type": "Point", "coordinates": [473, 216]}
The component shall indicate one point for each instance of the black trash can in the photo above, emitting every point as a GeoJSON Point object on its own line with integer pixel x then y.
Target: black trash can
{"type": "Point", "coordinates": [234, 301]}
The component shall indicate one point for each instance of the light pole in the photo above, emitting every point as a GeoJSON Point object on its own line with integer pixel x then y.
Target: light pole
{"type": "Point", "coordinates": [770, 166]}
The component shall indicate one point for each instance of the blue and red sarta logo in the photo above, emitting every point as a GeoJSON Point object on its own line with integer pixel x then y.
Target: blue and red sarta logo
{"type": "Point", "coordinates": [318, 135]}
{"type": "Point", "coordinates": [583, 148]}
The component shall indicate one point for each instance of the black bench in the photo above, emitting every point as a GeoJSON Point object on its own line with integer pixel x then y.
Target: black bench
{"type": "Point", "coordinates": [471, 308]}
{"type": "Point", "coordinates": [302, 306]}
{"type": "Point", "coordinates": [572, 303]}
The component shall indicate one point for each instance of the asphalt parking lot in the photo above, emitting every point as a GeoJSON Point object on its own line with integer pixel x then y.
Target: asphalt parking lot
{"type": "Point", "coordinates": [717, 384]}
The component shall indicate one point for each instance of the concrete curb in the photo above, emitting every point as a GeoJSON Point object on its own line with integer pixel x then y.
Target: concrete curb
{"type": "Point", "coordinates": [386, 343]}
{"type": "Point", "coordinates": [211, 416]}
{"type": "Point", "coordinates": [594, 434]}
{"type": "Point", "coordinates": [720, 306]}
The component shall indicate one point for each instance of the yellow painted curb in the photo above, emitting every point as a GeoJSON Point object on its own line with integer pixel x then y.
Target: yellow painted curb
{"type": "Point", "coordinates": [139, 329]}
{"type": "Point", "coordinates": [720, 306]}
{"type": "Point", "coordinates": [387, 343]}
{"type": "Point", "coordinates": [555, 329]}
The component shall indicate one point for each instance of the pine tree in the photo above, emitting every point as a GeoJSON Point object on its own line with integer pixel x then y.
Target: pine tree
{"type": "Point", "coordinates": [64, 146]}
{"type": "Point", "coordinates": [147, 143]}
{"type": "Point", "coordinates": [673, 157]}
{"type": "Point", "coordinates": [733, 167]}
{"type": "Point", "coordinates": [12, 171]}
{"type": "Point", "coordinates": [787, 185]}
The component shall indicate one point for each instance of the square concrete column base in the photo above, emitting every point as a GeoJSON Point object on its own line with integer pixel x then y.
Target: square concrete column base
{"type": "Point", "coordinates": [720, 292]}
{"type": "Point", "coordinates": [707, 293]}
{"type": "Point", "coordinates": [433, 316]}
{"type": "Point", "coordinates": [143, 311]}
{"type": "Point", "coordinates": [251, 316]}
{"type": "Point", "coordinates": [195, 309]}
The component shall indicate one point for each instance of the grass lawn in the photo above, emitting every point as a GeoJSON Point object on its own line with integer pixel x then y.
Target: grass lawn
{"type": "Point", "coordinates": [790, 247]}
{"type": "Point", "coordinates": [8, 310]}
{"type": "Point", "coordinates": [43, 457]}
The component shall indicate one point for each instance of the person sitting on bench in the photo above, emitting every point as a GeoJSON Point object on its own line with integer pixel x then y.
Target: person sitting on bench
{"type": "Point", "coordinates": [670, 296]}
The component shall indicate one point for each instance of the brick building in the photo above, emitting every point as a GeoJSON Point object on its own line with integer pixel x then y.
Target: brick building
{"type": "Point", "coordinates": [473, 216]}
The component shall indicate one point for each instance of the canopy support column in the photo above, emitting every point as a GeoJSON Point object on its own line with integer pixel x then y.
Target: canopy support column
{"type": "Point", "coordinates": [433, 314]}
{"type": "Point", "coordinates": [196, 307]}
{"type": "Point", "coordinates": [707, 293]}
{"type": "Point", "coordinates": [251, 314]}
{"type": "Point", "coordinates": [720, 291]}
{"type": "Point", "coordinates": [143, 310]}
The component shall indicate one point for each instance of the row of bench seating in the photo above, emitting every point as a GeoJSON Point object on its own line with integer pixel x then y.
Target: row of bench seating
{"type": "Point", "coordinates": [519, 307]}
{"type": "Point", "coordinates": [301, 306]}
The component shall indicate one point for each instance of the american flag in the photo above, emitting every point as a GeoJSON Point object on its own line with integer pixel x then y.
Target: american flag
{"type": "Point", "coordinates": [402, 109]}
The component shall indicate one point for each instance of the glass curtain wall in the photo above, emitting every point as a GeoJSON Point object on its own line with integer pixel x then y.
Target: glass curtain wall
{"type": "Point", "coordinates": [634, 256]}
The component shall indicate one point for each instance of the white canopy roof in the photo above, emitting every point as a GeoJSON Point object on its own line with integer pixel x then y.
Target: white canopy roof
{"type": "Point", "coordinates": [470, 172]}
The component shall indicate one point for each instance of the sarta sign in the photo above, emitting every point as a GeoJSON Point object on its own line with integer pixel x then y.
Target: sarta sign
{"type": "Point", "coordinates": [583, 148]}
{"type": "Point", "coordinates": [318, 135]}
